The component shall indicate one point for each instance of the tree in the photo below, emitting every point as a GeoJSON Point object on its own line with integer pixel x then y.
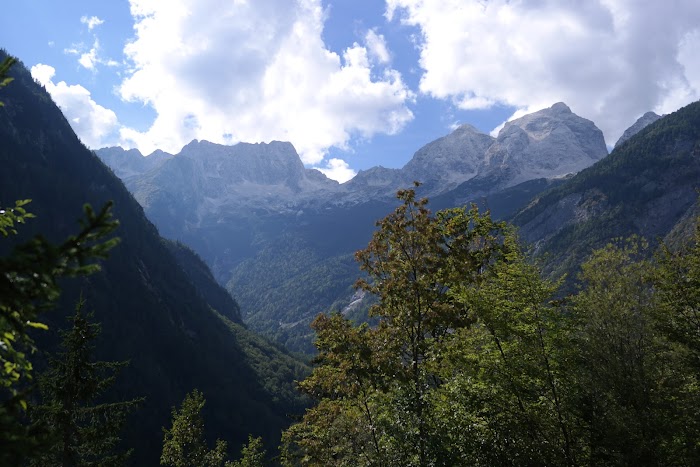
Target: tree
{"type": "Point", "coordinates": [631, 382]}
{"type": "Point", "coordinates": [473, 361]}
{"type": "Point", "coordinates": [375, 384]}
{"type": "Point", "coordinates": [4, 70]}
{"type": "Point", "coordinates": [29, 285]}
{"type": "Point", "coordinates": [184, 444]}
{"type": "Point", "coordinates": [506, 398]}
{"type": "Point", "coordinates": [82, 432]}
{"type": "Point", "coordinates": [677, 284]}
{"type": "Point", "coordinates": [413, 261]}
{"type": "Point", "coordinates": [252, 454]}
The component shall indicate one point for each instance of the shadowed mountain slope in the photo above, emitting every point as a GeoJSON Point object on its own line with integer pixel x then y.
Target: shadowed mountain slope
{"type": "Point", "coordinates": [177, 328]}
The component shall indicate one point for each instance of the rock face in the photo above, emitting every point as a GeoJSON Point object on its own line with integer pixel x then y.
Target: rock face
{"type": "Point", "coordinates": [641, 123]}
{"type": "Point", "coordinates": [645, 187]}
{"type": "Point", "coordinates": [130, 163]}
{"type": "Point", "coordinates": [549, 143]}
{"type": "Point", "coordinates": [448, 161]}
{"type": "Point", "coordinates": [205, 175]}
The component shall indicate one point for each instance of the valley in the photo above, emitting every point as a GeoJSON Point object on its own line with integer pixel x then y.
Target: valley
{"type": "Point", "coordinates": [281, 238]}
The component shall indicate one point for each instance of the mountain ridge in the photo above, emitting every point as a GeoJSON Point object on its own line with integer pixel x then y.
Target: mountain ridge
{"type": "Point", "coordinates": [248, 243]}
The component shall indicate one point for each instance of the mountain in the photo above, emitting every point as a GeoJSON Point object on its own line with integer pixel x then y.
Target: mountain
{"type": "Point", "coordinates": [129, 163]}
{"type": "Point", "coordinates": [282, 237]}
{"type": "Point", "coordinates": [641, 123]}
{"type": "Point", "coordinates": [440, 165]}
{"type": "Point", "coordinates": [647, 187]}
{"type": "Point", "coordinates": [156, 302]}
{"type": "Point", "coordinates": [207, 175]}
{"type": "Point", "coordinates": [450, 160]}
{"type": "Point", "coordinates": [549, 143]}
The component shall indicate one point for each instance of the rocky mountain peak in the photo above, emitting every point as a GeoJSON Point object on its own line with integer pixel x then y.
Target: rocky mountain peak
{"type": "Point", "coordinates": [130, 162]}
{"type": "Point", "coordinates": [545, 144]}
{"type": "Point", "coordinates": [259, 163]}
{"type": "Point", "coordinates": [641, 123]}
{"type": "Point", "coordinates": [560, 107]}
{"type": "Point", "coordinates": [450, 160]}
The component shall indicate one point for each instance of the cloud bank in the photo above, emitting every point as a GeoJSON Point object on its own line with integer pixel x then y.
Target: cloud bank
{"type": "Point", "coordinates": [610, 60]}
{"type": "Point", "coordinates": [229, 71]}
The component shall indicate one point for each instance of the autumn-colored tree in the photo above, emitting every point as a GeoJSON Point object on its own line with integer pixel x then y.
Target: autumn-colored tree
{"type": "Point", "coordinates": [375, 383]}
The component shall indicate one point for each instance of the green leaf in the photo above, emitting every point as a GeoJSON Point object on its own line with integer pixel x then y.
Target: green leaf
{"type": "Point", "coordinates": [37, 325]}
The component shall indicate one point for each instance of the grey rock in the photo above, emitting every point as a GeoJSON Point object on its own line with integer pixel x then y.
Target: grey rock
{"type": "Point", "coordinates": [130, 163]}
{"type": "Point", "coordinates": [550, 143]}
{"type": "Point", "coordinates": [641, 123]}
{"type": "Point", "coordinates": [450, 160]}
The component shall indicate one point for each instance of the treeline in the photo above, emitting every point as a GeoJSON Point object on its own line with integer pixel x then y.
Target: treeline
{"type": "Point", "coordinates": [477, 360]}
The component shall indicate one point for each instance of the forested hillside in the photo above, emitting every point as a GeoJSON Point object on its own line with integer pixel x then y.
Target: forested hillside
{"type": "Point", "coordinates": [179, 330]}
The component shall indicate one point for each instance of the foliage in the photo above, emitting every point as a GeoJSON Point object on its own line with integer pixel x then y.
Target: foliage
{"type": "Point", "coordinates": [252, 454]}
{"type": "Point", "coordinates": [29, 284]}
{"type": "Point", "coordinates": [474, 361]}
{"type": "Point", "coordinates": [505, 373]}
{"type": "Point", "coordinates": [376, 384]}
{"type": "Point", "coordinates": [678, 283]}
{"type": "Point", "coordinates": [184, 444]}
{"type": "Point", "coordinates": [4, 70]}
{"type": "Point", "coordinates": [637, 396]}
{"type": "Point", "coordinates": [81, 431]}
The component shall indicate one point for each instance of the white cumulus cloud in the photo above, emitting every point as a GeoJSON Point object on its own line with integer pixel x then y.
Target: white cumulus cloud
{"type": "Point", "coordinates": [91, 21]}
{"type": "Point", "coordinates": [377, 46]}
{"type": "Point", "coordinates": [610, 60]}
{"type": "Point", "coordinates": [95, 125]}
{"type": "Point", "coordinates": [337, 169]}
{"type": "Point", "coordinates": [89, 59]}
{"type": "Point", "coordinates": [229, 71]}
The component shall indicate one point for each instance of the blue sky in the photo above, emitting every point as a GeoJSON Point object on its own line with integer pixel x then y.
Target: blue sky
{"type": "Point", "coordinates": [351, 83]}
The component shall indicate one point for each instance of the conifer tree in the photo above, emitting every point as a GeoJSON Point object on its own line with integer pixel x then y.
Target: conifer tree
{"type": "Point", "coordinates": [29, 285]}
{"type": "Point", "coordinates": [184, 444]}
{"type": "Point", "coordinates": [252, 454]}
{"type": "Point", "coordinates": [82, 431]}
